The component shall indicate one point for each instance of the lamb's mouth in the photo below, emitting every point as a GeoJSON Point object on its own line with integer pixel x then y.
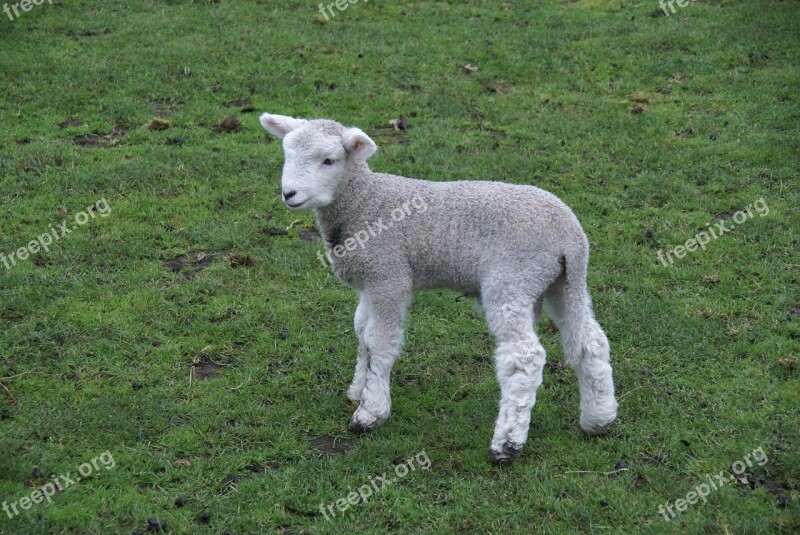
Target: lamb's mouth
{"type": "Point", "coordinates": [296, 205]}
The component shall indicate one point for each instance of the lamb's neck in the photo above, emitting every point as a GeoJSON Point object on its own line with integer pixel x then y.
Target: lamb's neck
{"type": "Point", "coordinates": [351, 197]}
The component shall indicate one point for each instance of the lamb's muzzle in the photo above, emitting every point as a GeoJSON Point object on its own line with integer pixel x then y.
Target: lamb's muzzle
{"type": "Point", "coordinates": [515, 246]}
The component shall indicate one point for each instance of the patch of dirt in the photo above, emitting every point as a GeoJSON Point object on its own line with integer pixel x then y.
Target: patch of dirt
{"type": "Point", "coordinates": [244, 105]}
{"type": "Point", "coordinates": [319, 85]}
{"type": "Point", "coordinates": [240, 259]}
{"type": "Point", "coordinates": [498, 88]}
{"type": "Point", "coordinates": [329, 445]}
{"type": "Point", "coordinates": [89, 33]}
{"type": "Point", "coordinates": [764, 476]}
{"type": "Point", "coordinates": [780, 494]}
{"type": "Point", "coordinates": [189, 265]}
{"type": "Point", "coordinates": [401, 123]}
{"type": "Point", "coordinates": [720, 216]}
{"type": "Point", "coordinates": [308, 235]}
{"type": "Point", "coordinates": [228, 125]}
{"type": "Point", "coordinates": [638, 108]}
{"type": "Point", "coordinates": [648, 236]}
{"type": "Point", "coordinates": [794, 313]}
{"type": "Point", "coordinates": [158, 123]}
{"type": "Point", "coordinates": [275, 231]}
{"type": "Point", "coordinates": [258, 468]}
{"type": "Point", "coordinates": [254, 469]}
{"type": "Point", "coordinates": [97, 140]}
{"type": "Point", "coordinates": [69, 123]}
{"type": "Point", "coordinates": [296, 510]}
{"type": "Point", "coordinates": [206, 370]}
{"type": "Point", "coordinates": [204, 367]}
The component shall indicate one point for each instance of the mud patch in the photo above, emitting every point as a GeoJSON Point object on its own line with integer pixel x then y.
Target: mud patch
{"type": "Point", "coordinates": [240, 259]}
{"type": "Point", "coordinates": [97, 140]}
{"type": "Point", "coordinates": [294, 509]}
{"type": "Point", "coordinates": [69, 123]}
{"type": "Point", "coordinates": [723, 216]}
{"type": "Point", "coordinates": [261, 469]}
{"type": "Point", "coordinates": [189, 265]}
{"type": "Point", "coordinates": [92, 32]}
{"type": "Point", "coordinates": [253, 470]}
{"type": "Point", "coordinates": [330, 445]}
{"type": "Point", "coordinates": [206, 370]}
{"type": "Point", "coordinates": [498, 88]}
{"type": "Point", "coordinates": [157, 123]}
{"type": "Point", "coordinates": [228, 125]}
{"type": "Point", "coordinates": [205, 367]}
{"type": "Point", "coordinates": [244, 105]}
{"type": "Point", "coordinates": [308, 235]}
{"type": "Point", "coordinates": [780, 494]}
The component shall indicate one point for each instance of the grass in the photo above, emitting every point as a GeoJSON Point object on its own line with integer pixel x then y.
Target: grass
{"type": "Point", "coordinates": [209, 355]}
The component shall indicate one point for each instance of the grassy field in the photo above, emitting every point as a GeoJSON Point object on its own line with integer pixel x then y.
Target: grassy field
{"type": "Point", "coordinates": [184, 342]}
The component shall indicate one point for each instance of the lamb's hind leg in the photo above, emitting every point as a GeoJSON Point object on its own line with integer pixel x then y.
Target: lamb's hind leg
{"type": "Point", "coordinates": [362, 358]}
{"type": "Point", "coordinates": [382, 338]}
{"type": "Point", "coordinates": [519, 360]}
{"type": "Point", "coordinates": [586, 349]}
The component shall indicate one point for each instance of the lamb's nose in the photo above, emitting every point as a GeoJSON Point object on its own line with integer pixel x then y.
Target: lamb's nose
{"type": "Point", "coordinates": [289, 194]}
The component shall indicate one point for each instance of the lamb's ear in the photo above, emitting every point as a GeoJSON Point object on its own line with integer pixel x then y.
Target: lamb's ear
{"type": "Point", "coordinates": [280, 125]}
{"type": "Point", "coordinates": [358, 144]}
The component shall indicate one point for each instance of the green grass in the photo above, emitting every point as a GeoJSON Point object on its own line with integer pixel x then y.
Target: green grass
{"type": "Point", "coordinates": [704, 351]}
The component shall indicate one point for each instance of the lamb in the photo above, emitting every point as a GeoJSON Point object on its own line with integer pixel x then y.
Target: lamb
{"type": "Point", "coordinates": [513, 247]}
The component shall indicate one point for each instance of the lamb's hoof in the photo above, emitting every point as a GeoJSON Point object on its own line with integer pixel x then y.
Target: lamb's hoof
{"type": "Point", "coordinates": [364, 422]}
{"type": "Point", "coordinates": [506, 455]}
{"type": "Point", "coordinates": [594, 429]}
{"type": "Point", "coordinates": [358, 427]}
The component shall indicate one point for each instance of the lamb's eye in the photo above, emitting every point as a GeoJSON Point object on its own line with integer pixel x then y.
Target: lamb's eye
{"type": "Point", "coordinates": [328, 161]}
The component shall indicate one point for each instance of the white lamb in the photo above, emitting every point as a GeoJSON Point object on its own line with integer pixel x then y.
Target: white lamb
{"type": "Point", "coordinates": [512, 246]}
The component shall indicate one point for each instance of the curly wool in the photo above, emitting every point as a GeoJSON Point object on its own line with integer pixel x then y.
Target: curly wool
{"type": "Point", "coordinates": [514, 247]}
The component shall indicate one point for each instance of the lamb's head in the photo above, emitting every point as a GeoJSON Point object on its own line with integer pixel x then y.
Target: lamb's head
{"type": "Point", "coordinates": [318, 155]}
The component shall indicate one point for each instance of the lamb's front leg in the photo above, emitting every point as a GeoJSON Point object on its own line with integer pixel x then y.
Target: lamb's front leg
{"type": "Point", "coordinates": [383, 339]}
{"type": "Point", "coordinates": [362, 358]}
